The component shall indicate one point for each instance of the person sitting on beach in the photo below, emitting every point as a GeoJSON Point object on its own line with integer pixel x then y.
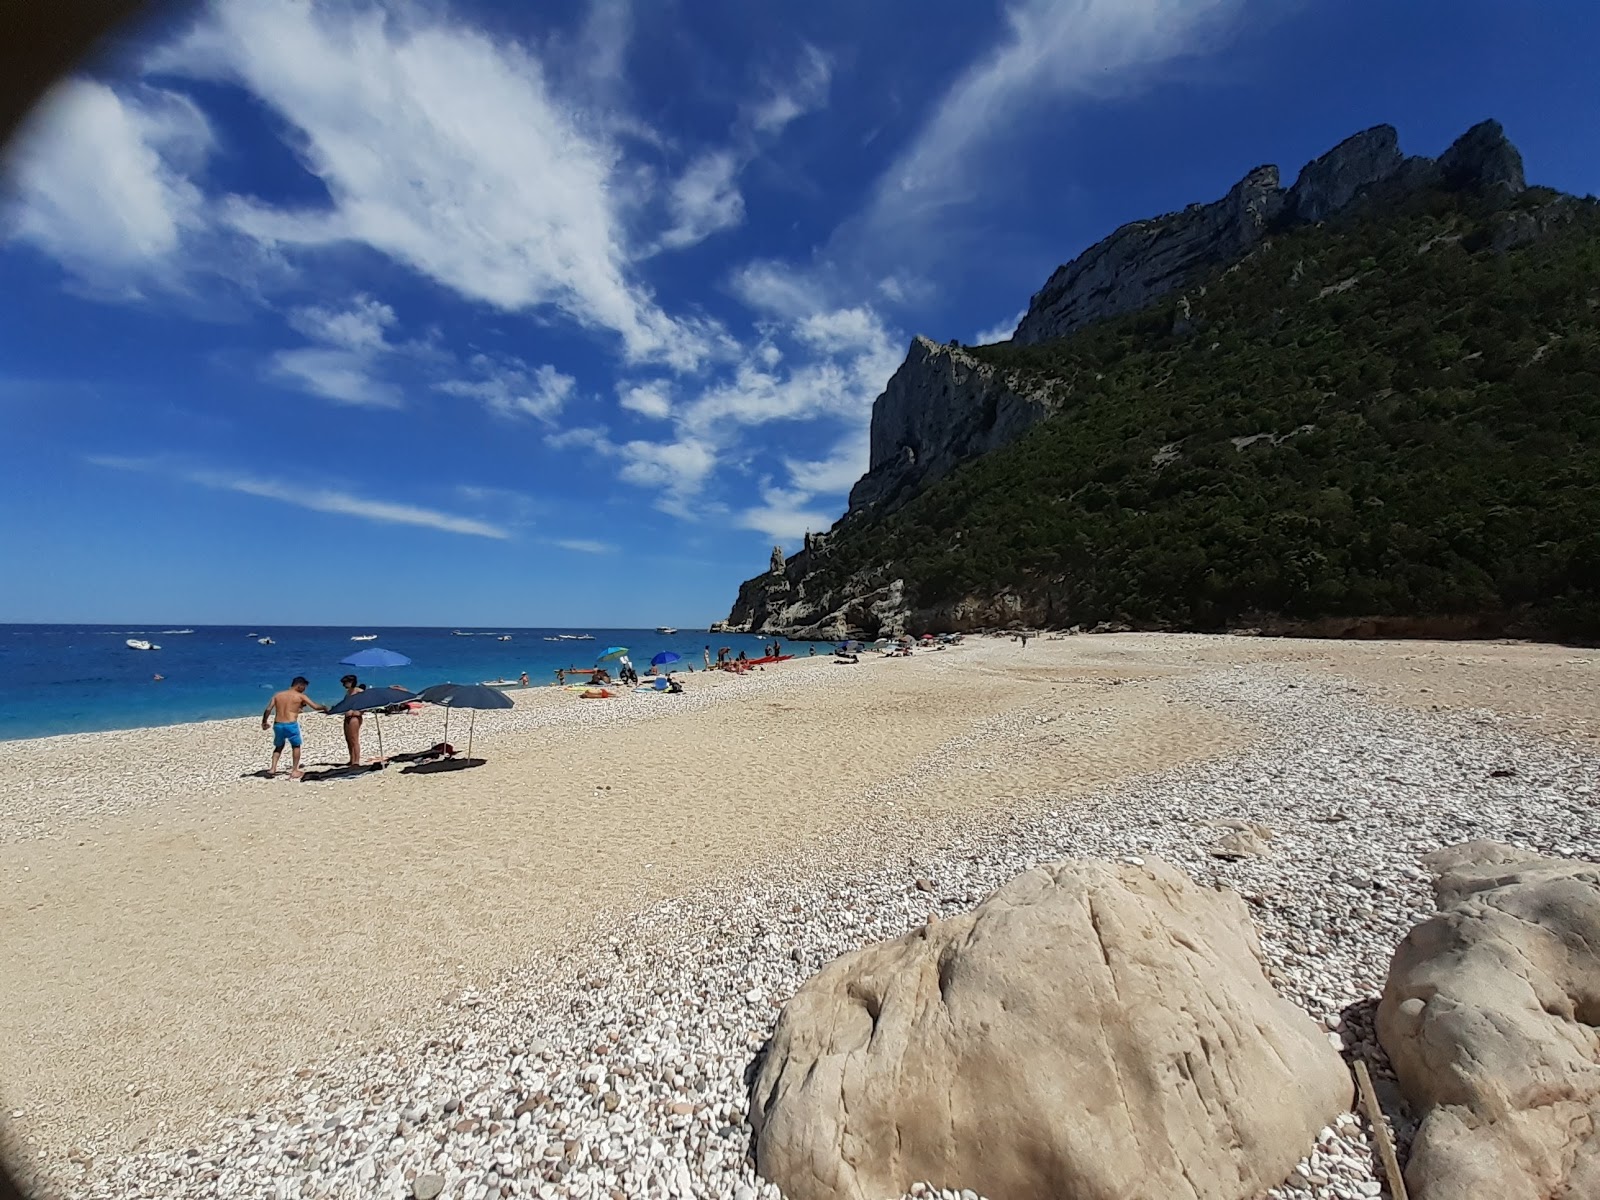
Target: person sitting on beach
{"type": "Point", "coordinates": [284, 710]}
{"type": "Point", "coordinates": [352, 720]}
{"type": "Point", "coordinates": [743, 657]}
{"type": "Point", "coordinates": [674, 688]}
{"type": "Point", "coordinates": [601, 675]}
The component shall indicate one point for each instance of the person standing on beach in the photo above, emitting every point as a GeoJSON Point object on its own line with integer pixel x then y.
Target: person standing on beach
{"type": "Point", "coordinates": [352, 722]}
{"type": "Point", "coordinates": [284, 711]}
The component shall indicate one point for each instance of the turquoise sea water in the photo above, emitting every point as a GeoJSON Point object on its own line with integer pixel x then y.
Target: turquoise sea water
{"type": "Point", "coordinates": [79, 678]}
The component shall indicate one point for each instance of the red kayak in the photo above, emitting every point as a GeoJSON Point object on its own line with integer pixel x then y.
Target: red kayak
{"type": "Point", "coordinates": [761, 662]}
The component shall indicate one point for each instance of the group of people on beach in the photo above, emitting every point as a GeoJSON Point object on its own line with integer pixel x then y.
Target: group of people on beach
{"type": "Point", "coordinates": [282, 715]}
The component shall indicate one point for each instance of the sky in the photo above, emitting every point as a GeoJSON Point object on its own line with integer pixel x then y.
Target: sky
{"type": "Point", "coordinates": [455, 313]}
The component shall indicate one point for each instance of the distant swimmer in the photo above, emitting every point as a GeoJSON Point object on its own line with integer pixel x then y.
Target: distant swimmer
{"type": "Point", "coordinates": [283, 711]}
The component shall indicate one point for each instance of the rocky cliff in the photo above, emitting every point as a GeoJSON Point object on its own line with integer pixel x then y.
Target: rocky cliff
{"type": "Point", "coordinates": [941, 408]}
{"type": "Point", "coordinates": [1145, 260]}
{"type": "Point", "coordinates": [948, 405]}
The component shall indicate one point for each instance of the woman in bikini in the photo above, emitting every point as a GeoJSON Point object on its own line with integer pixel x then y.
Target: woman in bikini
{"type": "Point", "coordinates": [352, 720]}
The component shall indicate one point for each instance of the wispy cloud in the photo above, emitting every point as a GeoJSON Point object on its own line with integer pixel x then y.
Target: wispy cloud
{"type": "Point", "coordinates": [782, 515]}
{"type": "Point", "coordinates": [317, 499]}
{"type": "Point", "coordinates": [508, 387]}
{"type": "Point", "coordinates": [1049, 49]}
{"type": "Point", "coordinates": [999, 333]}
{"type": "Point", "coordinates": [387, 110]}
{"type": "Point", "coordinates": [805, 91]}
{"type": "Point", "coordinates": [704, 200]}
{"type": "Point", "coordinates": [584, 546]}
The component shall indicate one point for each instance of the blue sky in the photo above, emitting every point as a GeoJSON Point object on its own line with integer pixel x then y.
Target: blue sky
{"type": "Point", "coordinates": [453, 313]}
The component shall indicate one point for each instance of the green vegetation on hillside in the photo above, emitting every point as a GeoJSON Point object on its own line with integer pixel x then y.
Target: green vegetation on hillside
{"type": "Point", "coordinates": [1433, 406]}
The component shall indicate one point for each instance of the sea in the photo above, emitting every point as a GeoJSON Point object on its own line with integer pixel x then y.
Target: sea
{"type": "Point", "coordinates": [83, 678]}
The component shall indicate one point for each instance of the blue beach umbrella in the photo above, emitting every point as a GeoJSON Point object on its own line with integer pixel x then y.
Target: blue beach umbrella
{"type": "Point", "coordinates": [665, 657]}
{"type": "Point", "coordinates": [613, 652]}
{"type": "Point", "coordinates": [375, 656]}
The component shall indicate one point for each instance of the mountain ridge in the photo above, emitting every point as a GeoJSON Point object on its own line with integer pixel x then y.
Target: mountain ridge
{"type": "Point", "coordinates": [952, 413]}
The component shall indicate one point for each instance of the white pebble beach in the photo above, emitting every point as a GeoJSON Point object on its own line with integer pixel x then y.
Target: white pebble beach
{"type": "Point", "coordinates": [547, 976]}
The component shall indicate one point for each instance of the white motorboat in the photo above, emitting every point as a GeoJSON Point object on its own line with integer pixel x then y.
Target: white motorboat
{"type": "Point", "coordinates": [266, 641]}
{"type": "Point", "coordinates": [502, 683]}
{"type": "Point", "coordinates": [668, 629]}
{"type": "Point", "coordinates": [177, 631]}
{"type": "Point", "coordinates": [140, 644]}
{"type": "Point", "coordinates": [504, 637]}
{"type": "Point", "coordinates": [363, 637]}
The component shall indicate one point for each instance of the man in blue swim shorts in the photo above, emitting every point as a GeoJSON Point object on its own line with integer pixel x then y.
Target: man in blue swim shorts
{"type": "Point", "coordinates": [283, 711]}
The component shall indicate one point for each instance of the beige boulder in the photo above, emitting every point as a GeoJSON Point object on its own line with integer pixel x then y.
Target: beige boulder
{"type": "Point", "coordinates": [1489, 1016]}
{"type": "Point", "coordinates": [1089, 1032]}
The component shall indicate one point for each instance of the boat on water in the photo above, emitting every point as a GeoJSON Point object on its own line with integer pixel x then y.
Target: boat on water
{"type": "Point", "coordinates": [502, 683]}
{"type": "Point", "coordinates": [504, 637]}
{"type": "Point", "coordinates": [574, 637]}
{"type": "Point", "coordinates": [459, 633]}
{"type": "Point", "coordinates": [667, 629]}
{"type": "Point", "coordinates": [176, 632]}
{"type": "Point", "coordinates": [363, 637]}
{"type": "Point", "coordinates": [266, 641]}
{"type": "Point", "coordinates": [140, 644]}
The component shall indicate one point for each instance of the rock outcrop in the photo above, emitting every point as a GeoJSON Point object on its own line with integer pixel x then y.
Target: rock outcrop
{"type": "Point", "coordinates": [1490, 1017]}
{"type": "Point", "coordinates": [1092, 1031]}
{"type": "Point", "coordinates": [940, 408]}
{"type": "Point", "coordinates": [1146, 260]}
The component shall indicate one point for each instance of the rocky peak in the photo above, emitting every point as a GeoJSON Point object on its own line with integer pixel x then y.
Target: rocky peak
{"type": "Point", "coordinates": [1483, 157]}
{"type": "Point", "coordinates": [1146, 260]}
{"type": "Point", "coordinates": [1331, 181]}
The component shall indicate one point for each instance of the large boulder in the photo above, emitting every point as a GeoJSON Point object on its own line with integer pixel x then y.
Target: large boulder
{"type": "Point", "coordinates": [1489, 1016]}
{"type": "Point", "coordinates": [1091, 1031]}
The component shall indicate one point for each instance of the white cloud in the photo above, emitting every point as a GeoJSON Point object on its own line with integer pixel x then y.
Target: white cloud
{"type": "Point", "coordinates": [999, 333]}
{"type": "Point", "coordinates": [806, 92]}
{"type": "Point", "coordinates": [835, 474]}
{"type": "Point", "coordinates": [767, 285]}
{"type": "Point", "coordinates": [842, 330]}
{"type": "Point", "coordinates": [317, 499]}
{"type": "Point", "coordinates": [653, 399]}
{"type": "Point", "coordinates": [681, 466]}
{"type": "Point", "coordinates": [588, 437]}
{"type": "Point", "coordinates": [509, 387]}
{"type": "Point", "coordinates": [359, 327]}
{"type": "Point", "coordinates": [704, 199]}
{"type": "Point", "coordinates": [100, 183]}
{"type": "Point", "coordinates": [343, 368]}
{"type": "Point", "coordinates": [584, 546]}
{"type": "Point", "coordinates": [393, 114]}
{"type": "Point", "coordinates": [334, 374]}
{"type": "Point", "coordinates": [1050, 49]}
{"type": "Point", "coordinates": [781, 517]}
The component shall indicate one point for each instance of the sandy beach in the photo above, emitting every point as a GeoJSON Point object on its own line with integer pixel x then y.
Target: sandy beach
{"type": "Point", "coordinates": [187, 943]}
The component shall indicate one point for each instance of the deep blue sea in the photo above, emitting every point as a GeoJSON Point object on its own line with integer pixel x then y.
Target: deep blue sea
{"type": "Point", "coordinates": [81, 678]}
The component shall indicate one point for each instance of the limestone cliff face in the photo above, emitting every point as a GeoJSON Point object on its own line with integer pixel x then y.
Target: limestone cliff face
{"type": "Point", "coordinates": [1146, 260]}
{"type": "Point", "coordinates": [941, 408]}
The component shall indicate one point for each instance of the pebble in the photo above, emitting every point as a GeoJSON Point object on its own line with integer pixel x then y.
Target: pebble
{"type": "Point", "coordinates": [619, 1070]}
